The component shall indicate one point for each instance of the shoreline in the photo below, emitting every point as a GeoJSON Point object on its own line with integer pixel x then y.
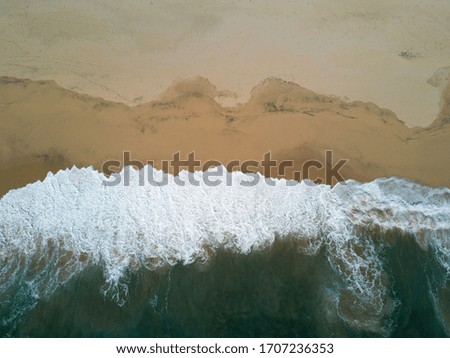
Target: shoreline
{"type": "Point", "coordinates": [45, 127]}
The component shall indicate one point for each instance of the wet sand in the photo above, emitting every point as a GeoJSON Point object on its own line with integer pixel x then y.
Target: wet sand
{"type": "Point", "coordinates": [44, 127]}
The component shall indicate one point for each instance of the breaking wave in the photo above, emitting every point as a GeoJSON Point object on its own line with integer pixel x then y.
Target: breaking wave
{"type": "Point", "coordinates": [55, 231]}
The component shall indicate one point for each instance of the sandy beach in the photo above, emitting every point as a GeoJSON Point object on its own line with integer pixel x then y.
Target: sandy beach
{"type": "Point", "coordinates": [352, 95]}
{"type": "Point", "coordinates": [380, 51]}
{"type": "Point", "coordinates": [45, 127]}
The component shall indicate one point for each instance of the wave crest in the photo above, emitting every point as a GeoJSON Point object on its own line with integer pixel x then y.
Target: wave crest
{"type": "Point", "coordinates": [71, 220]}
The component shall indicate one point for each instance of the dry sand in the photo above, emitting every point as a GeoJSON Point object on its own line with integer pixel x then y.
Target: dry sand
{"type": "Point", "coordinates": [382, 51]}
{"type": "Point", "coordinates": [44, 127]}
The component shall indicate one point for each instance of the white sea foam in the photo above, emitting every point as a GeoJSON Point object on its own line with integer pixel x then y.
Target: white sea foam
{"type": "Point", "coordinates": [52, 230]}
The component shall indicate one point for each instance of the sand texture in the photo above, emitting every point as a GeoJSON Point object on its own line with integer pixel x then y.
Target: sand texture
{"type": "Point", "coordinates": [44, 127]}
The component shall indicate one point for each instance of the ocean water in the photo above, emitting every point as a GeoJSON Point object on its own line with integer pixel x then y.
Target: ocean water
{"type": "Point", "coordinates": [82, 259]}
